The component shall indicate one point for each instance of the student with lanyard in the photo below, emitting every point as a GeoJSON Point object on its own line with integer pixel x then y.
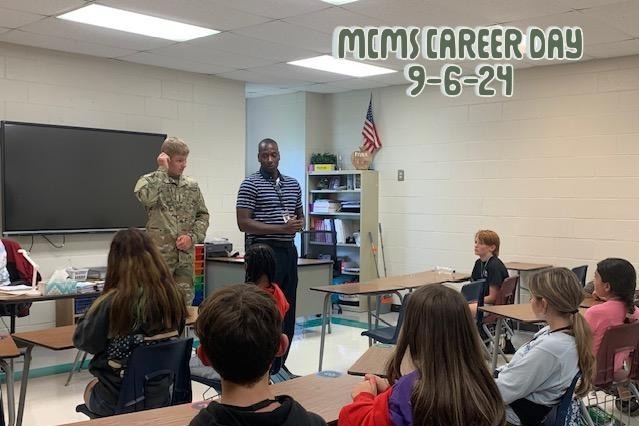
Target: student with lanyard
{"type": "Point", "coordinates": [269, 210]}
{"type": "Point", "coordinates": [488, 267]}
{"type": "Point", "coordinates": [541, 370]}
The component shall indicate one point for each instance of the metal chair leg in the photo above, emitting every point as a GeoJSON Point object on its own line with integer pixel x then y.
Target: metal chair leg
{"type": "Point", "coordinates": [77, 365]}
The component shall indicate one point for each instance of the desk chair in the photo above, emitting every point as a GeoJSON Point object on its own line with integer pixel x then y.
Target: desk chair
{"type": "Point", "coordinates": [157, 375]}
{"type": "Point", "coordinates": [581, 271]}
{"type": "Point", "coordinates": [505, 296]}
{"type": "Point", "coordinates": [389, 335]}
{"type": "Point", "coordinates": [620, 338]}
{"type": "Point", "coordinates": [569, 410]}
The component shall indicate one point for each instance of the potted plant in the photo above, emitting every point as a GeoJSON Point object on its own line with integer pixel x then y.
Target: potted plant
{"type": "Point", "coordinates": [323, 162]}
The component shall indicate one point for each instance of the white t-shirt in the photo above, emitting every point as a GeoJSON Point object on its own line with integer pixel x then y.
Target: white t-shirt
{"type": "Point", "coordinates": [4, 274]}
{"type": "Point", "coordinates": [540, 371]}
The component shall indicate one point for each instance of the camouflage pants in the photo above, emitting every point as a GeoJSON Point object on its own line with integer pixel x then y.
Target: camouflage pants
{"type": "Point", "coordinates": [183, 276]}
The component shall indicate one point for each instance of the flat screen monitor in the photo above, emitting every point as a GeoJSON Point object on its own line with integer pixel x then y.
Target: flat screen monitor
{"type": "Point", "coordinates": [61, 179]}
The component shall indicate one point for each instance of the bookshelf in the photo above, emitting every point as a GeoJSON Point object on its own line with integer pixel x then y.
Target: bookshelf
{"type": "Point", "coordinates": [355, 194]}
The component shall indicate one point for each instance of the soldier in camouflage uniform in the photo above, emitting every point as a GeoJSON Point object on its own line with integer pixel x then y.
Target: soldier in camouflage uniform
{"type": "Point", "coordinates": [178, 217]}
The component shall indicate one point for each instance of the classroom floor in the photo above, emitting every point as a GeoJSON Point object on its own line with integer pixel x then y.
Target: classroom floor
{"type": "Point", "coordinates": [49, 402]}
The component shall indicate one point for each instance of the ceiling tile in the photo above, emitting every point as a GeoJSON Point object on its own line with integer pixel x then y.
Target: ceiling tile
{"type": "Point", "coordinates": [594, 30]}
{"type": "Point", "coordinates": [582, 4]}
{"type": "Point", "coordinates": [300, 73]}
{"type": "Point", "coordinates": [64, 44]}
{"type": "Point", "coordinates": [290, 35]}
{"type": "Point", "coordinates": [93, 34]}
{"type": "Point", "coordinates": [276, 9]}
{"type": "Point", "coordinates": [326, 20]}
{"type": "Point", "coordinates": [623, 16]}
{"type": "Point", "coordinates": [174, 63]}
{"type": "Point", "coordinates": [197, 12]}
{"type": "Point", "coordinates": [510, 10]}
{"type": "Point", "coordinates": [358, 83]}
{"type": "Point", "coordinates": [618, 48]}
{"type": "Point", "coordinates": [243, 45]}
{"type": "Point", "coordinates": [256, 77]}
{"type": "Point", "coordinates": [15, 19]}
{"type": "Point", "coordinates": [325, 88]}
{"type": "Point", "coordinates": [211, 56]}
{"type": "Point", "coordinates": [417, 12]}
{"type": "Point", "coordinates": [43, 7]}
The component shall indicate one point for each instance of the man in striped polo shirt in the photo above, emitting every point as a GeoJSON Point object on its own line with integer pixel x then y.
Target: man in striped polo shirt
{"type": "Point", "coordinates": [269, 211]}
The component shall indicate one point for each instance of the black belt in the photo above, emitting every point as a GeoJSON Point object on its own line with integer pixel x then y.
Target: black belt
{"type": "Point", "coordinates": [275, 243]}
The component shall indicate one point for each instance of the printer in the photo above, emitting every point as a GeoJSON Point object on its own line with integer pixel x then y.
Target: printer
{"type": "Point", "coordinates": [217, 247]}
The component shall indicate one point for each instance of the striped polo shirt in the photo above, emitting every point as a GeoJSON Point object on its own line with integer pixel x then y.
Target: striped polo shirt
{"type": "Point", "coordinates": [269, 202]}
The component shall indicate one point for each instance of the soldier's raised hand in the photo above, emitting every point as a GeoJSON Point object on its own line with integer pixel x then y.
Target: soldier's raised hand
{"type": "Point", "coordinates": [163, 160]}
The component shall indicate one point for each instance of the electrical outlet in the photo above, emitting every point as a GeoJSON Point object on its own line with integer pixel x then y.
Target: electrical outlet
{"type": "Point", "coordinates": [400, 175]}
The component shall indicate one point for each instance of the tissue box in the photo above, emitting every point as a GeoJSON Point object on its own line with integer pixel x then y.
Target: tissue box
{"type": "Point", "coordinates": [60, 287]}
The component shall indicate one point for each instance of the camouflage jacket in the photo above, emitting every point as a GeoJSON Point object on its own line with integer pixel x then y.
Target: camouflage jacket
{"type": "Point", "coordinates": [175, 207]}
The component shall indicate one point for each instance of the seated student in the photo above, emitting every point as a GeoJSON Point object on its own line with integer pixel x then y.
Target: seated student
{"type": "Point", "coordinates": [240, 332]}
{"type": "Point", "coordinates": [451, 385]}
{"type": "Point", "coordinates": [541, 370]}
{"type": "Point", "coordinates": [615, 282]}
{"type": "Point", "coordinates": [259, 261]}
{"type": "Point", "coordinates": [140, 302]}
{"type": "Point", "coordinates": [488, 267]}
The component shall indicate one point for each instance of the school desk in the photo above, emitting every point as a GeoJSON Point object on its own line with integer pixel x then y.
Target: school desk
{"type": "Point", "coordinates": [375, 359]}
{"type": "Point", "coordinates": [9, 350]}
{"type": "Point", "coordinates": [57, 339]}
{"type": "Point", "coordinates": [319, 393]}
{"type": "Point", "coordinates": [519, 312]}
{"type": "Point", "coordinates": [11, 302]}
{"type": "Point", "coordinates": [378, 287]}
{"type": "Point", "coordinates": [524, 270]}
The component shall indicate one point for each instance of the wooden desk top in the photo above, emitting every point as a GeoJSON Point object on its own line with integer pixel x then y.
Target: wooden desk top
{"type": "Point", "coordinates": [519, 312]}
{"type": "Point", "coordinates": [524, 266]}
{"type": "Point", "coordinates": [300, 262]}
{"type": "Point", "coordinates": [57, 338]}
{"type": "Point", "coordinates": [8, 348]}
{"type": "Point", "coordinates": [322, 395]}
{"type": "Point", "coordinates": [374, 361]}
{"type": "Point", "coordinates": [400, 282]}
{"type": "Point", "coordinates": [60, 338]}
{"type": "Point", "coordinates": [9, 299]}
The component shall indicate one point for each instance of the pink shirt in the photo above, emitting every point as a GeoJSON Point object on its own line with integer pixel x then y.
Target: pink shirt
{"type": "Point", "coordinates": [603, 316]}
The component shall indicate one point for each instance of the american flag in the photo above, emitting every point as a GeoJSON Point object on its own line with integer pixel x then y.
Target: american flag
{"type": "Point", "coordinates": [371, 138]}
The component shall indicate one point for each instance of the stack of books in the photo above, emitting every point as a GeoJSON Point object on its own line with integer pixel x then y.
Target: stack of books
{"type": "Point", "coordinates": [326, 206]}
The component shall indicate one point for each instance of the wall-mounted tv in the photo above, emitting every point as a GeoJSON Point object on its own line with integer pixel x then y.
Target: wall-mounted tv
{"type": "Point", "coordinates": [61, 179]}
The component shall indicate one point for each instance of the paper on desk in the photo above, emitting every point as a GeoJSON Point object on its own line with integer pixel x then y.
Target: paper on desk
{"type": "Point", "coordinates": [10, 291]}
{"type": "Point", "coordinates": [13, 288]}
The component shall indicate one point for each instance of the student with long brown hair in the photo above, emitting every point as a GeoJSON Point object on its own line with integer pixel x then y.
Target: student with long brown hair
{"type": "Point", "coordinates": [451, 385]}
{"type": "Point", "coordinates": [141, 302]}
{"type": "Point", "coordinates": [541, 371]}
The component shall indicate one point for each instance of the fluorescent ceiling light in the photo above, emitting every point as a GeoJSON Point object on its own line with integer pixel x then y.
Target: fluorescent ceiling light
{"type": "Point", "coordinates": [341, 66]}
{"type": "Point", "coordinates": [117, 19]}
{"type": "Point", "coordinates": [338, 2]}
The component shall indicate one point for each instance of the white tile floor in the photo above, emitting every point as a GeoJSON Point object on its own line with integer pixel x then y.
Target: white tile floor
{"type": "Point", "coordinates": [49, 402]}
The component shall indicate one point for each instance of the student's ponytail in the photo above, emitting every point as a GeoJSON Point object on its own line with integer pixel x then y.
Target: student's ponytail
{"type": "Point", "coordinates": [583, 340]}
